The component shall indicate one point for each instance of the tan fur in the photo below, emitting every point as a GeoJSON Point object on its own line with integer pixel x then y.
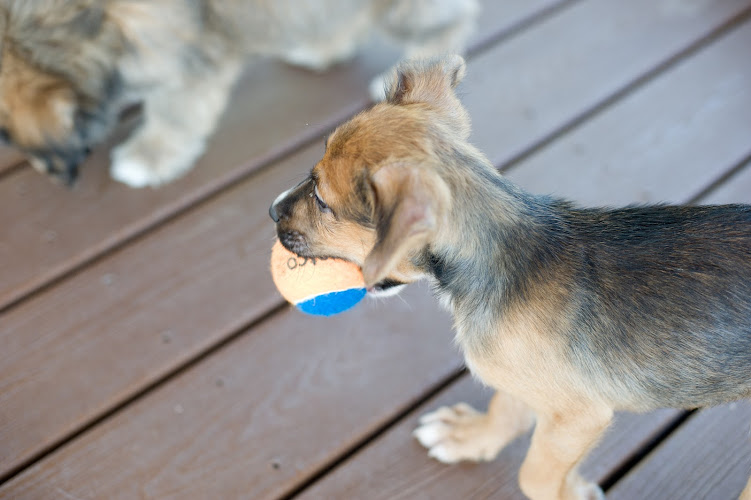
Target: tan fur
{"type": "Point", "coordinates": [404, 196]}
{"type": "Point", "coordinates": [35, 108]}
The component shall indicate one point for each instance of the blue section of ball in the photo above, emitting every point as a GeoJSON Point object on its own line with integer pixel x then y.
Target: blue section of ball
{"type": "Point", "coordinates": [332, 303]}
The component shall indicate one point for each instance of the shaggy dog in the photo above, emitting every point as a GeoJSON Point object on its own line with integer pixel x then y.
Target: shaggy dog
{"type": "Point", "coordinates": [68, 67]}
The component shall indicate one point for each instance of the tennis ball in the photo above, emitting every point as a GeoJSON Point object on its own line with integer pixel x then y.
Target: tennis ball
{"type": "Point", "coordinates": [322, 287]}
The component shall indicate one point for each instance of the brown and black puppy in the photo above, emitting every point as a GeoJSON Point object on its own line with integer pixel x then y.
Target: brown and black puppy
{"type": "Point", "coordinates": [68, 67]}
{"type": "Point", "coordinates": [570, 313]}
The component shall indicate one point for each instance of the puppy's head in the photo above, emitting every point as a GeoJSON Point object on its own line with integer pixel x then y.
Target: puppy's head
{"type": "Point", "coordinates": [377, 197]}
{"type": "Point", "coordinates": [58, 82]}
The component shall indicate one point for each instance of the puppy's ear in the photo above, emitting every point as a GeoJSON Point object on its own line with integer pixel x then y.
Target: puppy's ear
{"type": "Point", "coordinates": [432, 82]}
{"type": "Point", "coordinates": [409, 203]}
{"type": "Point", "coordinates": [425, 80]}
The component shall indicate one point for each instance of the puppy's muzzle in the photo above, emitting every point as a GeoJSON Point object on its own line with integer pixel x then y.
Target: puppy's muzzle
{"type": "Point", "coordinates": [280, 211]}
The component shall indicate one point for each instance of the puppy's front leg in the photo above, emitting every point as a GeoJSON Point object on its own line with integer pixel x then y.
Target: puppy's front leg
{"type": "Point", "coordinates": [177, 122]}
{"type": "Point", "coordinates": [746, 493]}
{"type": "Point", "coordinates": [559, 443]}
{"type": "Point", "coordinates": [460, 432]}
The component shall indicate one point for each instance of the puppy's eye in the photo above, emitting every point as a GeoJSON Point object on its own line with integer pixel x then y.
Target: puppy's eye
{"type": "Point", "coordinates": [321, 204]}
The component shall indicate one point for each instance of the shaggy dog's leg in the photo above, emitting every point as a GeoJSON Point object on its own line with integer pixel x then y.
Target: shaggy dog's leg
{"type": "Point", "coordinates": [177, 123]}
{"type": "Point", "coordinates": [427, 28]}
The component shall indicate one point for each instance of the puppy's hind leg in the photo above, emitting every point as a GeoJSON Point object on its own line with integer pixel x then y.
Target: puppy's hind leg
{"type": "Point", "coordinates": [427, 29]}
{"type": "Point", "coordinates": [178, 120]}
{"type": "Point", "coordinates": [559, 443]}
{"type": "Point", "coordinates": [460, 432]}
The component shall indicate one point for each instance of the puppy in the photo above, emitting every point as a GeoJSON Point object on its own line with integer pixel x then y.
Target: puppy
{"type": "Point", "coordinates": [570, 313]}
{"type": "Point", "coordinates": [69, 67]}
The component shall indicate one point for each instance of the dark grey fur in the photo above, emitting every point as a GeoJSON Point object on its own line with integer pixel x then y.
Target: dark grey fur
{"type": "Point", "coordinates": [661, 295]}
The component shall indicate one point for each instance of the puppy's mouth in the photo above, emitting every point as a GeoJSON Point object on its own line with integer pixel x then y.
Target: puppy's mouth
{"type": "Point", "coordinates": [386, 288]}
{"type": "Point", "coordinates": [295, 243]}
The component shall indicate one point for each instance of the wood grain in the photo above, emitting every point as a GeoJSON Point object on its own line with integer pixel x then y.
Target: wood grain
{"type": "Point", "coordinates": [634, 153]}
{"type": "Point", "coordinates": [293, 391]}
{"type": "Point", "coordinates": [97, 338]}
{"type": "Point", "coordinates": [709, 457]}
{"type": "Point", "coordinates": [539, 83]}
{"type": "Point", "coordinates": [395, 466]}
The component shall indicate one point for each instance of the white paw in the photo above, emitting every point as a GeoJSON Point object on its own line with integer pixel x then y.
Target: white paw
{"type": "Point", "coordinates": [140, 164]}
{"type": "Point", "coordinates": [132, 173]}
{"type": "Point", "coordinates": [456, 433]}
{"type": "Point", "coordinates": [592, 492]}
{"type": "Point", "coordinates": [377, 87]}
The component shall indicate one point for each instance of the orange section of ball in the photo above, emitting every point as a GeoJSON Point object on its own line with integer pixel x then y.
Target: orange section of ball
{"type": "Point", "coordinates": [299, 278]}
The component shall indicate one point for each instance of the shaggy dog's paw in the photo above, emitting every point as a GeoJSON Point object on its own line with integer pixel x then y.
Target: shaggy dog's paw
{"type": "Point", "coordinates": [377, 87]}
{"type": "Point", "coordinates": [132, 173]}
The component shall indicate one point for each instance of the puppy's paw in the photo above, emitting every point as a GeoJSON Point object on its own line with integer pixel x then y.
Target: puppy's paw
{"type": "Point", "coordinates": [587, 491]}
{"type": "Point", "coordinates": [578, 488]}
{"type": "Point", "coordinates": [459, 432]}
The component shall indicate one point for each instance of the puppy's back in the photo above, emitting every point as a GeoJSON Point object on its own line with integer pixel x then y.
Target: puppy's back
{"type": "Point", "coordinates": [665, 301]}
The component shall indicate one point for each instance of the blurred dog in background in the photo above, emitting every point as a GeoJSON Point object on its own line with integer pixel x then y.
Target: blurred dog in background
{"type": "Point", "coordinates": [69, 67]}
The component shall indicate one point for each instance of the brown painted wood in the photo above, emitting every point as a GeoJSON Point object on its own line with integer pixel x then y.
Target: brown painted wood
{"type": "Point", "coordinates": [129, 319]}
{"type": "Point", "coordinates": [708, 457]}
{"type": "Point", "coordinates": [631, 154]}
{"type": "Point", "coordinates": [179, 284]}
{"type": "Point", "coordinates": [274, 109]}
{"type": "Point", "coordinates": [293, 391]}
{"type": "Point", "coordinates": [9, 158]}
{"type": "Point", "coordinates": [395, 466]}
{"type": "Point", "coordinates": [545, 79]}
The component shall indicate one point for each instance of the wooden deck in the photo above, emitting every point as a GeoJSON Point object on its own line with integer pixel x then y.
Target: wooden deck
{"type": "Point", "coordinates": [145, 354]}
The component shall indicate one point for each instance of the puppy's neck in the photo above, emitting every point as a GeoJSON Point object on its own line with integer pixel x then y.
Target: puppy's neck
{"type": "Point", "coordinates": [496, 238]}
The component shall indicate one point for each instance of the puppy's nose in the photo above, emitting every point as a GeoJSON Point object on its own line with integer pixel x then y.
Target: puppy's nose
{"type": "Point", "coordinates": [272, 213]}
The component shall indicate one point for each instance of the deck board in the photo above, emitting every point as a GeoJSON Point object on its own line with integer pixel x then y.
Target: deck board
{"type": "Point", "coordinates": [294, 391]}
{"type": "Point", "coordinates": [540, 83]}
{"type": "Point", "coordinates": [665, 142]}
{"type": "Point", "coordinates": [709, 457]}
{"type": "Point", "coordinates": [396, 467]}
{"type": "Point", "coordinates": [9, 158]}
